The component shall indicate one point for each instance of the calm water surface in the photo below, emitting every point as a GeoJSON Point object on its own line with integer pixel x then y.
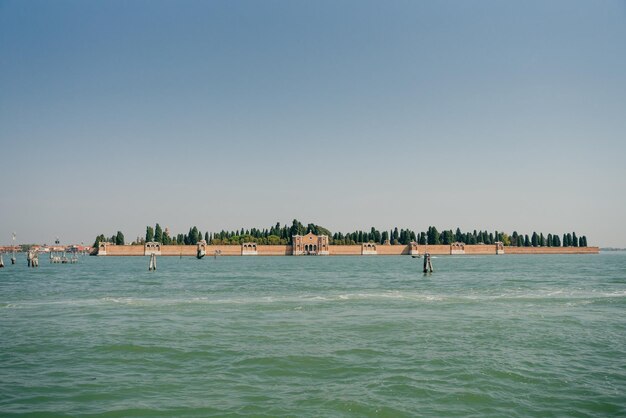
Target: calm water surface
{"type": "Point", "coordinates": [315, 336]}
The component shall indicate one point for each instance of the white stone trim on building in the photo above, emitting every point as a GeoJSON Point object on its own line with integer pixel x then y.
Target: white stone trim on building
{"type": "Point", "coordinates": [310, 244]}
{"type": "Point", "coordinates": [368, 248]}
{"type": "Point", "coordinates": [457, 248]}
{"type": "Point", "coordinates": [150, 248]}
{"type": "Point", "coordinates": [249, 248]}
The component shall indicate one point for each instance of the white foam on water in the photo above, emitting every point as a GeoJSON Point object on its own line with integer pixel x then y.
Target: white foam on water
{"type": "Point", "coordinates": [559, 294]}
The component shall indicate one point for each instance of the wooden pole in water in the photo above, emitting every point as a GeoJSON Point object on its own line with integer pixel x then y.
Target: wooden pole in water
{"type": "Point", "coordinates": [13, 253]}
{"type": "Point", "coordinates": [428, 265]}
{"type": "Point", "coordinates": [32, 258]}
{"type": "Point", "coordinates": [1, 261]}
{"type": "Point", "coordinates": [152, 264]}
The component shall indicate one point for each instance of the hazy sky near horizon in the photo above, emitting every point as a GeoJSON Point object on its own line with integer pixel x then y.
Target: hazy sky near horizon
{"type": "Point", "coordinates": [491, 115]}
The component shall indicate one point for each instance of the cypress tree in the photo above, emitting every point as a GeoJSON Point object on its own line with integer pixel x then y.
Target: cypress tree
{"type": "Point", "coordinates": [158, 233]}
{"type": "Point", "coordinates": [526, 241]}
{"type": "Point", "coordinates": [149, 234]}
{"type": "Point", "coordinates": [534, 240]}
{"type": "Point", "coordinates": [100, 238]}
{"type": "Point", "coordinates": [193, 236]}
{"type": "Point", "coordinates": [574, 239]}
{"type": "Point", "coordinates": [549, 240]}
{"type": "Point", "coordinates": [433, 237]}
{"type": "Point", "coordinates": [405, 237]}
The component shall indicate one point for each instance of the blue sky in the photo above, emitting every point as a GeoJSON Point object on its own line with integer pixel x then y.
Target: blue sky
{"type": "Point", "coordinates": [349, 114]}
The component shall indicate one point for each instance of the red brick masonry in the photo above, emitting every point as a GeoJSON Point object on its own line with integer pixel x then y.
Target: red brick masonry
{"type": "Point", "coordinates": [264, 250]}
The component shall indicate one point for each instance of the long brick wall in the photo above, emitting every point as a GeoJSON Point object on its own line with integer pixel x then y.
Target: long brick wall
{"type": "Point", "coordinates": [481, 249]}
{"type": "Point", "coordinates": [550, 250]}
{"type": "Point", "coordinates": [393, 249]}
{"type": "Point", "coordinates": [344, 250]}
{"type": "Point", "coordinates": [339, 250]}
{"type": "Point", "coordinates": [434, 249]}
{"type": "Point", "coordinates": [184, 250]}
{"type": "Point", "coordinates": [124, 250]}
{"type": "Point", "coordinates": [274, 249]}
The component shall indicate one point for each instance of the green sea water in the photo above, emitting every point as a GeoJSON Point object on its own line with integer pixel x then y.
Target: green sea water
{"type": "Point", "coordinates": [513, 336]}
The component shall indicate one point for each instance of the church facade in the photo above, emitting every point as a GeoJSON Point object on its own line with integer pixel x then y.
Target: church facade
{"type": "Point", "coordinates": [310, 244]}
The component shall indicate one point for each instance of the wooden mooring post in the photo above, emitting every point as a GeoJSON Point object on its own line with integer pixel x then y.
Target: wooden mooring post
{"type": "Point", "coordinates": [428, 265]}
{"type": "Point", "coordinates": [13, 250]}
{"type": "Point", "coordinates": [152, 265]}
{"type": "Point", "coordinates": [33, 259]}
{"type": "Point", "coordinates": [201, 249]}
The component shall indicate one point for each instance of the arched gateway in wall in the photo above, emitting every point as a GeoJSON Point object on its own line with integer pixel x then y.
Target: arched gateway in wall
{"type": "Point", "coordinates": [249, 248]}
{"type": "Point", "coordinates": [150, 248]}
{"type": "Point", "coordinates": [368, 248]}
{"type": "Point", "coordinates": [457, 248]}
{"type": "Point", "coordinates": [310, 244]}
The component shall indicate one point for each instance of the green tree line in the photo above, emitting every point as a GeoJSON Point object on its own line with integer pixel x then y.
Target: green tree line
{"type": "Point", "coordinates": [282, 235]}
{"type": "Point", "coordinates": [117, 239]}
